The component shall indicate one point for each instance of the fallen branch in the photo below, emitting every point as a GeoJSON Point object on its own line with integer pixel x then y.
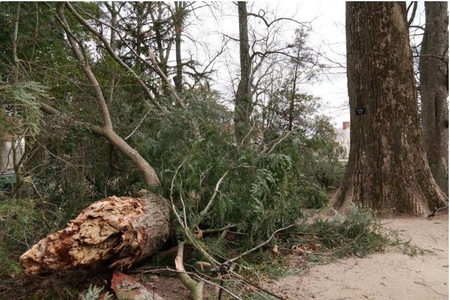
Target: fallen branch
{"type": "Point", "coordinates": [260, 245]}
{"type": "Point", "coordinates": [195, 287]}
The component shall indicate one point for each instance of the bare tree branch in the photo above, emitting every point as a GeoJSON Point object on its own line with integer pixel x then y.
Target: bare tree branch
{"type": "Point", "coordinates": [260, 245]}
{"type": "Point", "coordinates": [216, 190]}
{"type": "Point", "coordinates": [268, 24]}
{"type": "Point", "coordinates": [149, 174]}
{"type": "Point", "coordinates": [108, 48]}
{"type": "Point", "coordinates": [77, 49]}
{"type": "Point", "coordinates": [196, 287]}
{"type": "Point", "coordinates": [412, 5]}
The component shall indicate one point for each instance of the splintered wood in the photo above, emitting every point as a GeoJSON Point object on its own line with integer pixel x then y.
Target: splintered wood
{"type": "Point", "coordinates": [117, 231]}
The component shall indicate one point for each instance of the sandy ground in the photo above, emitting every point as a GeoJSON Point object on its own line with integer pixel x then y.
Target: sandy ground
{"type": "Point", "coordinates": [389, 275]}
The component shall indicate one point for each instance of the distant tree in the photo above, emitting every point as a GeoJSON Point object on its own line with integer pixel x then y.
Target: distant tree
{"type": "Point", "coordinates": [387, 169]}
{"type": "Point", "coordinates": [433, 67]}
{"type": "Point", "coordinates": [286, 76]}
{"type": "Point", "coordinates": [243, 101]}
{"type": "Point", "coordinates": [179, 18]}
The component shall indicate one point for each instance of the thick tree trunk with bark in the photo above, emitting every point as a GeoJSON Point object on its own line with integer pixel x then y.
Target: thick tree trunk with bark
{"type": "Point", "coordinates": [117, 231]}
{"type": "Point", "coordinates": [434, 89]}
{"type": "Point", "coordinates": [243, 102]}
{"type": "Point", "coordinates": [387, 169]}
{"type": "Point", "coordinates": [178, 18]}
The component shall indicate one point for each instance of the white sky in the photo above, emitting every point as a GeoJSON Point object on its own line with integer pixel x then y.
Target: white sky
{"type": "Point", "coordinates": [328, 32]}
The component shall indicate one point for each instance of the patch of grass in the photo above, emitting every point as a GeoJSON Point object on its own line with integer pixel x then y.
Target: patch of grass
{"type": "Point", "coordinates": [22, 224]}
{"type": "Point", "coordinates": [8, 264]}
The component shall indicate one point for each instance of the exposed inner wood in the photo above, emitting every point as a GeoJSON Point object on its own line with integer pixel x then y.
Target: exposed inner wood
{"type": "Point", "coordinates": [117, 230]}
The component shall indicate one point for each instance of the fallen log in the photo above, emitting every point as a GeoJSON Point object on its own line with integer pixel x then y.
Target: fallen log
{"type": "Point", "coordinates": [118, 231]}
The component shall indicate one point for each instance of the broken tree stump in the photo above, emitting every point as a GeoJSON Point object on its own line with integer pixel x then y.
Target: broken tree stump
{"type": "Point", "coordinates": [119, 231]}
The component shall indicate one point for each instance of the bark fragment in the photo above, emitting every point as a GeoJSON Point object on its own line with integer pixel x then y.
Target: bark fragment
{"type": "Point", "coordinates": [126, 288]}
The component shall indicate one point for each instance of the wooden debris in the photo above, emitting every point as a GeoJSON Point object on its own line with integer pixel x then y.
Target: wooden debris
{"type": "Point", "coordinates": [118, 231]}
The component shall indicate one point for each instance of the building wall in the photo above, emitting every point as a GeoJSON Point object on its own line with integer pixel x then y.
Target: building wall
{"type": "Point", "coordinates": [343, 138]}
{"type": "Point", "coordinates": [6, 153]}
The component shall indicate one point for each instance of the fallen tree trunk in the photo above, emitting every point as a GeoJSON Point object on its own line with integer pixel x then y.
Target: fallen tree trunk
{"type": "Point", "coordinates": [118, 231]}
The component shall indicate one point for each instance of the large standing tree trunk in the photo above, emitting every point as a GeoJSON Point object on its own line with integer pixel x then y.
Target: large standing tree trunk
{"type": "Point", "coordinates": [118, 231]}
{"type": "Point", "coordinates": [434, 89]}
{"type": "Point", "coordinates": [243, 102]}
{"type": "Point", "coordinates": [387, 169]}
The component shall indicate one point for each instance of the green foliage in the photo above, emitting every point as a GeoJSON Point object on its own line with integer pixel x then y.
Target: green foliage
{"type": "Point", "coordinates": [314, 196]}
{"type": "Point", "coordinates": [314, 154]}
{"type": "Point", "coordinates": [357, 233]}
{"type": "Point", "coordinates": [40, 45]}
{"type": "Point", "coordinates": [22, 224]}
{"type": "Point", "coordinates": [23, 114]}
{"type": "Point", "coordinates": [321, 161]}
{"type": "Point", "coordinates": [9, 264]}
{"type": "Point", "coordinates": [259, 191]}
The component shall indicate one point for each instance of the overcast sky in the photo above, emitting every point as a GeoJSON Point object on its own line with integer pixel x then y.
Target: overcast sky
{"type": "Point", "coordinates": [328, 33]}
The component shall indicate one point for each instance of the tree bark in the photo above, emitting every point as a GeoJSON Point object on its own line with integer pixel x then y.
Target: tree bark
{"type": "Point", "coordinates": [387, 170]}
{"type": "Point", "coordinates": [3, 153]}
{"type": "Point", "coordinates": [433, 67]}
{"type": "Point", "coordinates": [243, 102]}
{"type": "Point", "coordinates": [178, 18]}
{"type": "Point", "coordinates": [117, 231]}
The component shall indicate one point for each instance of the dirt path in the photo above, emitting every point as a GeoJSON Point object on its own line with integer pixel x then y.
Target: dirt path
{"type": "Point", "coordinates": [390, 275]}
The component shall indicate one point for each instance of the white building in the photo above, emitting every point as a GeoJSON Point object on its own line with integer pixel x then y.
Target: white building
{"type": "Point", "coordinates": [8, 149]}
{"type": "Point", "coordinates": [343, 138]}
